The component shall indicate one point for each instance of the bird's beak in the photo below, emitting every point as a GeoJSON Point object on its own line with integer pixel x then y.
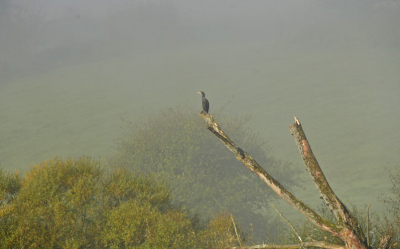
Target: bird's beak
{"type": "Point", "coordinates": [199, 92]}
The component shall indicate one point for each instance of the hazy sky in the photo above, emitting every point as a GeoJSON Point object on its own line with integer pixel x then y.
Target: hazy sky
{"type": "Point", "coordinates": [69, 70]}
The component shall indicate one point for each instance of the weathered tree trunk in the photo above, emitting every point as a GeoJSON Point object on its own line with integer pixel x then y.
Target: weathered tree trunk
{"type": "Point", "coordinates": [346, 227]}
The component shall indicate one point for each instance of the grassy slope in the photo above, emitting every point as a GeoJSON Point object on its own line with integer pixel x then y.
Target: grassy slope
{"type": "Point", "coordinates": [347, 101]}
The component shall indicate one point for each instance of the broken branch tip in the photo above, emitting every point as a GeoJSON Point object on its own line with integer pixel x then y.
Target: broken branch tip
{"type": "Point", "coordinates": [296, 121]}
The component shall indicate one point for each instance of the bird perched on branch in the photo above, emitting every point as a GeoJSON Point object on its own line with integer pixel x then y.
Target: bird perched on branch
{"type": "Point", "coordinates": [206, 105]}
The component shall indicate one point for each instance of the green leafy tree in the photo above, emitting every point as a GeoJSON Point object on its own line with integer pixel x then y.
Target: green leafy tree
{"type": "Point", "coordinates": [10, 183]}
{"type": "Point", "coordinates": [58, 205]}
{"type": "Point", "coordinates": [77, 203]}
{"type": "Point", "coordinates": [205, 177]}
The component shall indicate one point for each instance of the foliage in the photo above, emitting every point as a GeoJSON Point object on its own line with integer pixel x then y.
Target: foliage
{"type": "Point", "coordinates": [77, 203]}
{"type": "Point", "coordinates": [10, 183]}
{"type": "Point", "coordinates": [205, 176]}
{"type": "Point", "coordinates": [391, 222]}
{"type": "Point", "coordinates": [223, 237]}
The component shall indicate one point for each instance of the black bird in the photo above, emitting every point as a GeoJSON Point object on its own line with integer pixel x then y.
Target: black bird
{"type": "Point", "coordinates": [206, 105]}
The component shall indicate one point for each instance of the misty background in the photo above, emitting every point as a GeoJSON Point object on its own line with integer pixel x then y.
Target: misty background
{"type": "Point", "coordinates": [70, 70]}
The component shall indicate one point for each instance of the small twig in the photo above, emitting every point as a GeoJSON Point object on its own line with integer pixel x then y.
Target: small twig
{"type": "Point", "coordinates": [252, 233]}
{"type": "Point", "coordinates": [237, 235]}
{"type": "Point", "coordinates": [368, 223]}
{"type": "Point", "coordinates": [294, 229]}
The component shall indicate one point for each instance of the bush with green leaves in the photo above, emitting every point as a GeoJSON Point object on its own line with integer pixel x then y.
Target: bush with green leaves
{"type": "Point", "coordinates": [77, 203]}
{"type": "Point", "coordinates": [204, 174]}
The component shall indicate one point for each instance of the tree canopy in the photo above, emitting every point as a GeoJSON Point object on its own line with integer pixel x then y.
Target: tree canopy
{"type": "Point", "coordinates": [202, 173]}
{"type": "Point", "coordinates": [77, 203]}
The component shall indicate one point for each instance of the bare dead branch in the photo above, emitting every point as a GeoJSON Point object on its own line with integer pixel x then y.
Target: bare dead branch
{"type": "Point", "coordinates": [312, 166]}
{"type": "Point", "coordinates": [251, 164]}
{"type": "Point", "coordinates": [237, 235]}
{"type": "Point", "coordinates": [294, 229]}
{"type": "Point", "coordinates": [348, 228]}
{"type": "Point", "coordinates": [351, 233]}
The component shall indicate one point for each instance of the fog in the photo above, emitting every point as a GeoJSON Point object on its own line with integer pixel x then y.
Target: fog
{"type": "Point", "coordinates": [41, 35]}
{"type": "Point", "coordinates": [69, 70]}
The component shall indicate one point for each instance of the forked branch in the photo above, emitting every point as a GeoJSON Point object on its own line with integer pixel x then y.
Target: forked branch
{"type": "Point", "coordinates": [251, 164]}
{"type": "Point", "coordinates": [347, 227]}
